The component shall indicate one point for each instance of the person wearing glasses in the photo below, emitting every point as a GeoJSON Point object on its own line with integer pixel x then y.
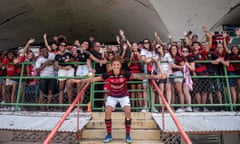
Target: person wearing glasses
{"type": "Point", "coordinates": [146, 53]}
{"type": "Point", "coordinates": [100, 68]}
{"type": "Point", "coordinates": [166, 62]}
{"type": "Point", "coordinates": [177, 71]}
{"type": "Point", "coordinates": [188, 68]}
{"type": "Point", "coordinates": [65, 69]}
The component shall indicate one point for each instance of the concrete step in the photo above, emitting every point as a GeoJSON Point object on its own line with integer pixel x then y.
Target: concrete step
{"type": "Point", "coordinates": [136, 124]}
{"type": "Point", "coordinates": [143, 134]}
{"type": "Point", "coordinates": [122, 141]}
{"type": "Point", "coordinates": [120, 115]}
{"type": "Point", "coordinates": [21, 142]}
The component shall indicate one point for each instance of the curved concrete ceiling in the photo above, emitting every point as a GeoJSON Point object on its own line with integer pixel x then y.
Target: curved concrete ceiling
{"type": "Point", "coordinates": [77, 19]}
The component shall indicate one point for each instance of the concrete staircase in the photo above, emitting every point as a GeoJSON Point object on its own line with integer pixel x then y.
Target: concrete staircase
{"type": "Point", "coordinates": [144, 129]}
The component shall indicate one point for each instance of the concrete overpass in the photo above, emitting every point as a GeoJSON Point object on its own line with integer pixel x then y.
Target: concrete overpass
{"type": "Point", "coordinates": [78, 19]}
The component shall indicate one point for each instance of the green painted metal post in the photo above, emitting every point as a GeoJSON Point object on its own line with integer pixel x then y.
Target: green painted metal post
{"type": "Point", "coordinates": [228, 88]}
{"type": "Point", "coordinates": [92, 88]}
{"type": "Point", "coordinates": [19, 86]}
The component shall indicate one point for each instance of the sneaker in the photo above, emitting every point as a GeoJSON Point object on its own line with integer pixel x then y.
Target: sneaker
{"type": "Point", "coordinates": [4, 108]}
{"type": "Point", "coordinates": [108, 138]}
{"type": "Point", "coordinates": [128, 139]}
{"type": "Point", "coordinates": [18, 109]}
{"type": "Point", "coordinates": [196, 109]}
{"type": "Point", "coordinates": [188, 109]}
{"type": "Point", "coordinates": [103, 109]}
{"type": "Point", "coordinates": [205, 110]}
{"type": "Point", "coordinates": [145, 109]}
{"type": "Point", "coordinates": [180, 110]}
{"type": "Point", "coordinates": [155, 110]}
{"type": "Point", "coordinates": [12, 108]}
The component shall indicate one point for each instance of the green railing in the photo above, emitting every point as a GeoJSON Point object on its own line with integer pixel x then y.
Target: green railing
{"type": "Point", "coordinates": [21, 102]}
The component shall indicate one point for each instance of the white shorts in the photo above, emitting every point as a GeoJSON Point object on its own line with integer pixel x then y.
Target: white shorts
{"type": "Point", "coordinates": [65, 73]}
{"type": "Point", "coordinates": [10, 82]}
{"type": "Point", "coordinates": [180, 74]}
{"type": "Point", "coordinates": [112, 101]}
{"type": "Point", "coordinates": [82, 70]}
{"type": "Point", "coordinates": [145, 83]}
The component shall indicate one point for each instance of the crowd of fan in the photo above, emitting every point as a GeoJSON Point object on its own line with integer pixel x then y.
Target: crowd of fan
{"type": "Point", "coordinates": [179, 60]}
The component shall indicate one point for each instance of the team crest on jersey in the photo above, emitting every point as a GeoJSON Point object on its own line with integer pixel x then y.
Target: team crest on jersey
{"type": "Point", "coordinates": [209, 55]}
{"type": "Point", "coordinates": [199, 56]}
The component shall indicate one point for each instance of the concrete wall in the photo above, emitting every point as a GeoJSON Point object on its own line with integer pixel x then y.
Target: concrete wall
{"type": "Point", "coordinates": [192, 14]}
{"type": "Point", "coordinates": [231, 138]}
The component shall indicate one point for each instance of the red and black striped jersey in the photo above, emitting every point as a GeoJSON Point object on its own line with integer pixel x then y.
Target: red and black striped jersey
{"type": "Point", "coordinates": [118, 83]}
{"type": "Point", "coordinates": [200, 68]}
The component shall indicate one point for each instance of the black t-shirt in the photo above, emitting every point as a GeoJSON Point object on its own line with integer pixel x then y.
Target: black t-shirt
{"type": "Point", "coordinates": [212, 68]}
{"type": "Point", "coordinates": [61, 59]}
{"type": "Point", "coordinates": [200, 68]}
{"type": "Point", "coordinates": [82, 57]}
{"type": "Point", "coordinates": [100, 68]}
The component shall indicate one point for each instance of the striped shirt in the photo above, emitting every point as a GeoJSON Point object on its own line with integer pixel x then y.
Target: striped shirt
{"type": "Point", "coordinates": [118, 83]}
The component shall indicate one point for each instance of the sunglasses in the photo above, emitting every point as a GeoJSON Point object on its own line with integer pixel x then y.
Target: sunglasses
{"type": "Point", "coordinates": [185, 51]}
{"type": "Point", "coordinates": [63, 45]}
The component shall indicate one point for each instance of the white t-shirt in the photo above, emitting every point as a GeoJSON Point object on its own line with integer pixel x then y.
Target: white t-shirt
{"type": "Point", "coordinates": [165, 62]}
{"type": "Point", "coordinates": [48, 70]}
{"type": "Point", "coordinates": [147, 53]}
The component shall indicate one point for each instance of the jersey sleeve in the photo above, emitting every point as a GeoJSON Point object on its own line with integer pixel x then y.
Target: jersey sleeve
{"type": "Point", "coordinates": [88, 54]}
{"type": "Point", "coordinates": [190, 59]}
{"type": "Point", "coordinates": [128, 75]}
{"type": "Point", "coordinates": [104, 76]}
{"type": "Point", "coordinates": [56, 57]}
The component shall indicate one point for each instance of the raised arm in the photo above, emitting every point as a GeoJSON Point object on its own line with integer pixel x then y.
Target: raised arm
{"type": "Point", "coordinates": [46, 42]}
{"type": "Point", "coordinates": [25, 49]}
{"type": "Point", "coordinates": [225, 35]}
{"type": "Point", "coordinates": [122, 34]}
{"type": "Point", "coordinates": [208, 35]}
{"type": "Point", "coordinates": [170, 39]}
{"type": "Point", "coordinates": [118, 39]}
{"type": "Point", "coordinates": [158, 39]}
{"type": "Point", "coordinates": [187, 37]}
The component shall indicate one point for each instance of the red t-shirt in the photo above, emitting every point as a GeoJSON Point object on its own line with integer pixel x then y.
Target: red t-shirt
{"type": "Point", "coordinates": [135, 66]}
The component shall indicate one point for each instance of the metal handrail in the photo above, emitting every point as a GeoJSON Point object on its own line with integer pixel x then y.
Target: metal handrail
{"type": "Point", "coordinates": [174, 118]}
{"type": "Point", "coordinates": [63, 118]}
